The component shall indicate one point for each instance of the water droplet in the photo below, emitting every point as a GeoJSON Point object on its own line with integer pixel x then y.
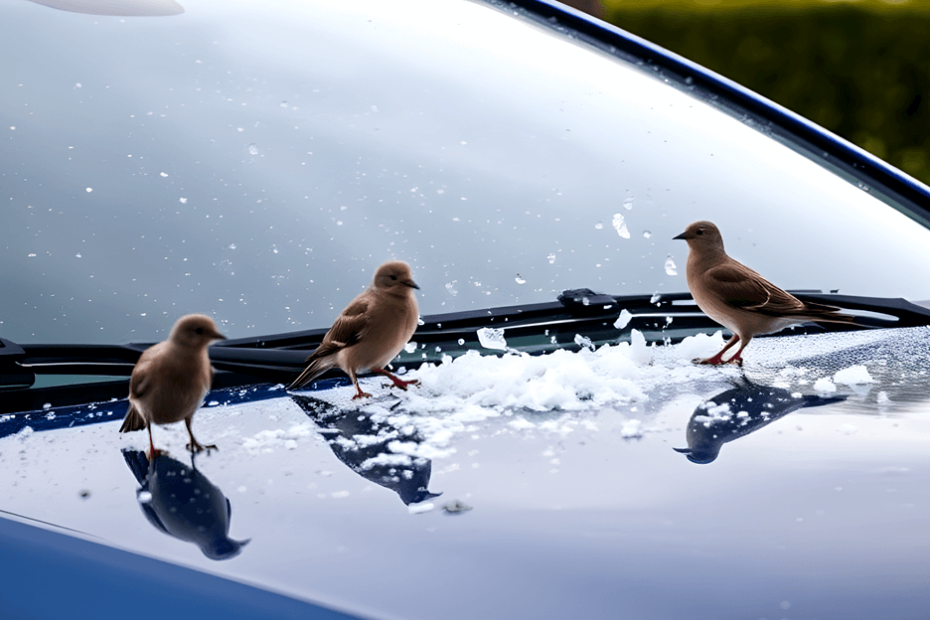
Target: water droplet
{"type": "Point", "coordinates": [461, 341]}
{"type": "Point", "coordinates": [628, 202]}
{"type": "Point", "coordinates": [253, 149]}
{"type": "Point", "coordinates": [551, 258]}
{"type": "Point", "coordinates": [284, 104]}
{"type": "Point", "coordinates": [647, 234]}
{"type": "Point", "coordinates": [232, 246]}
{"type": "Point", "coordinates": [519, 280]}
{"type": "Point", "coordinates": [599, 225]}
{"type": "Point", "coordinates": [410, 347]}
{"type": "Point", "coordinates": [620, 226]}
{"type": "Point", "coordinates": [670, 267]}
{"type": "Point", "coordinates": [450, 287]}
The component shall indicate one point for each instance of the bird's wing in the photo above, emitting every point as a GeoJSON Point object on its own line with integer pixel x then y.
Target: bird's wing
{"type": "Point", "coordinates": [142, 372]}
{"type": "Point", "coordinates": [741, 287]}
{"type": "Point", "coordinates": [347, 329]}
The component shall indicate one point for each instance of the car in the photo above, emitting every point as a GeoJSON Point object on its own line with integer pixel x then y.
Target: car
{"type": "Point", "coordinates": [562, 455]}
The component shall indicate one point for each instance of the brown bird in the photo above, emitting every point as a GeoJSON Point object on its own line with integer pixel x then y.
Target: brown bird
{"type": "Point", "coordinates": [739, 298]}
{"type": "Point", "coordinates": [171, 378]}
{"type": "Point", "coordinates": [371, 330]}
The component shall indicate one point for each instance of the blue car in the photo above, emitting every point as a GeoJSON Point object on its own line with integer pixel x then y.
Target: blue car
{"type": "Point", "coordinates": [561, 455]}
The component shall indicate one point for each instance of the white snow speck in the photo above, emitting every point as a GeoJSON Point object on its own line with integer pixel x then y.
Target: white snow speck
{"type": "Point", "coordinates": [183, 201]}
{"type": "Point", "coordinates": [624, 319]}
{"type": "Point", "coordinates": [670, 267]}
{"type": "Point", "coordinates": [620, 226]}
{"type": "Point", "coordinates": [90, 189]}
{"type": "Point", "coordinates": [144, 497]}
{"type": "Point", "coordinates": [631, 429]}
{"type": "Point", "coordinates": [491, 338]}
{"type": "Point", "coordinates": [824, 386]}
{"type": "Point", "coordinates": [410, 347]}
{"type": "Point", "coordinates": [854, 375]}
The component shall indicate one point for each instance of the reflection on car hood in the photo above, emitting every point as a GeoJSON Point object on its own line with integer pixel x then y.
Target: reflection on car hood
{"type": "Point", "coordinates": [580, 504]}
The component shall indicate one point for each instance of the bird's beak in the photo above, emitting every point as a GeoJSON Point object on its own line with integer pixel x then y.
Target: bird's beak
{"type": "Point", "coordinates": [683, 235]}
{"type": "Point", "coordinates": [411, 284]}
{"type": "Point", "coordinates": [682, 450]}
{"type": "Point", "coordinates": [217, 336]}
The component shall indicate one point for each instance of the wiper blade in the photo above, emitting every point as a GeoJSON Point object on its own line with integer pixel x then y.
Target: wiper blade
{"type": "Point", "coordinates": [531, 328]}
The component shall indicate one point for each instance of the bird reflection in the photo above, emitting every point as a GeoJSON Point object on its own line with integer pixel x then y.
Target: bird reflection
{"type": "Point", "coordinates": [181, 502]}
{"type": "Point", "coordinates": [737, 412]}
{"type": "Point", "coordinates": [363, 444]}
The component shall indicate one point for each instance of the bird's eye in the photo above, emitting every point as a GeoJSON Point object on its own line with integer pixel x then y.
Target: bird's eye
{"type": "Point", "coordinates": [199, 331]}
{"type": "Point", "coordinates": [393, 277]}
{"type": "Point", "coordinates": [700, 231]}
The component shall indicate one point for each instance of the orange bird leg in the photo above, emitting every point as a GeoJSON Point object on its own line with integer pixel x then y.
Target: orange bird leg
{"type": "Point", "coordinates": [358, 388]}
{"type": "Point", "coordinates": [397, 382]}
{"type": "Point", "coordinates": [718, 359]}
{"type": "Point", "coordinates": [153, 453]}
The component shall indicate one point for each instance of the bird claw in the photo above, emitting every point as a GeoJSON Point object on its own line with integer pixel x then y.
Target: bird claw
{"type": "Point", "coordinates": [361, 394]}
{"type": "Point", "coordinates": [195, 447]}
{"type": "Point", "coordinates": [400, 383]}
{"type": "Point", "coordinates": [151, 455]}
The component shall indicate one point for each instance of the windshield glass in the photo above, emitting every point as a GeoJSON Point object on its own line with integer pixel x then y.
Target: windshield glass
{"type": "Point", "coordinates": [256, 162]}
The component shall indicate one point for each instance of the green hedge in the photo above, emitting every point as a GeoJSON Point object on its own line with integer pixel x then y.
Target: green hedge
{"type": "Point", "coordinates": [860, 70]}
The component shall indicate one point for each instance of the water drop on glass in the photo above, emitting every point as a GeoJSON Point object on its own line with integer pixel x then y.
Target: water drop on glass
{"type": "Point", "coordinates": [599, 225]}
{"type": "Point", "coordinates": [253, 149]}
{"type": "Point", "coordinates": [551, 258]}
{"type": "Point", "coordinates": [647, 234]}
{"type": "Point", "coordinates": [519, 280]}
{"type": "Point", "coordinates": [670, 267]}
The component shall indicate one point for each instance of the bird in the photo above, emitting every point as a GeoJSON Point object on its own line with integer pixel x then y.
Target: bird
{"type": "Point", "coordinates": [370, 331]}
{"type": "Point", "coordinates": [740, 299]}
{"type": "Point", "coordinates": [171, 379]}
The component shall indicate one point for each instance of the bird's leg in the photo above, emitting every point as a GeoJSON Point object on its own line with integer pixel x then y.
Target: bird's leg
{"type": "Point", "coordinates": [194, 445]}
{"type": "Point", "coordinates": [358, 389]}
{"type": "Point", "coordinates": [397, 382]}
{"type": "Point", "coordinates": [718, 359]}
{"type": "Point", "coordinates": [737, 359]}
{"type": "Point", "coordinates": [153, 453]}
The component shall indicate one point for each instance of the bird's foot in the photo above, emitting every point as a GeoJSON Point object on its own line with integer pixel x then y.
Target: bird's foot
{"type": "Point", "coordinates": [711, 361]}
{"type": "Point", "coordinates": [195, 446]}
{"type": "Point", "coordinates": [400, 383]}
{"type": "Point", "coordinates": [153, 453]}
{"type": "Point", "coordinates": [361, 394]}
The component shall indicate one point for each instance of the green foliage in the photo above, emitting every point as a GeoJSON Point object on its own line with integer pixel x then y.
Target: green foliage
{"type": "Point", "coordinates": [860, 70]}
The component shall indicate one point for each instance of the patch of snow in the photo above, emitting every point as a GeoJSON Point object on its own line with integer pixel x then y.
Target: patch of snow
{"type": "Point", "coordinates": [854, 375]}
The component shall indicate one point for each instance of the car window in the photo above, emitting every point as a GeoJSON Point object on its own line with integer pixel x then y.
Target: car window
{"type": "Point", "coordinates": [256, 162]}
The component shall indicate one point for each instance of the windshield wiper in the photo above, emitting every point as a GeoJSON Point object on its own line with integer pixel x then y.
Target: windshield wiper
{"type": "Point", "coordinates": [531, 328]}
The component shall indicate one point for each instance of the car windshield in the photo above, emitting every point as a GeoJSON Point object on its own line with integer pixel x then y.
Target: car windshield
{"type": "Point", "coordinates": [256, 163]}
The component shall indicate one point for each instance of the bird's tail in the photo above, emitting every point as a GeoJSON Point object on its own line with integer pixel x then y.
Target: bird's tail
{"type": "Point", "coordinates": [822, 313]}
{"type": "Point", "coordinates": [319, 362]}
{"type": "Point", "coordinates": [133, 420]}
